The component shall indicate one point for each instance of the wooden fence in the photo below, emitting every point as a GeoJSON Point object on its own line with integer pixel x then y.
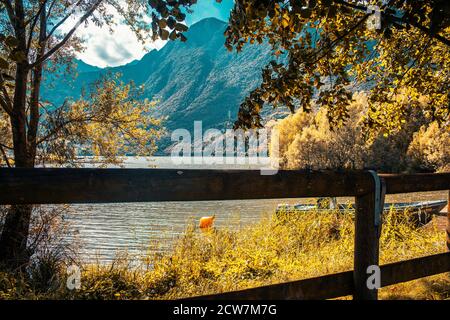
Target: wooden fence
{"type": "Point", "coordinates": [54, 186]}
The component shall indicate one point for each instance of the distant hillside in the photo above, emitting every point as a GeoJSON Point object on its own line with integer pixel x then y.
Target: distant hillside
{"type": "Point", "coordinates": [83, 67]}
{"type": "Point", "coordinates": [195, 80]}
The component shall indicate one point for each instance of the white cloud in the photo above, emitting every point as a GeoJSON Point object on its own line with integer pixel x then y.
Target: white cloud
{"type": "Point", "coordinates": [108, 49]}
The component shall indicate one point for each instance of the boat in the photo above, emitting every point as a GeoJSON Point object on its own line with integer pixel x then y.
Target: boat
{"type": "Point", "coordinates": [421, 211]}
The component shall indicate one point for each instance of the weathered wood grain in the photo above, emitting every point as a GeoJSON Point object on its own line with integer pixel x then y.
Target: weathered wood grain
{"type": "Point", "coordinates": [318, 288]}
{"type": "Point", "coordinates": [412, 269]}
{"type": "Point", "coordinates": [45, 186]}
{"type": "Point", "coordinates": [448, 222]}
{"type": "Point", "coordinates": [366, 251]}
{"type": "Point", "coordinates": [404, 183]}
{"type": "Point", "coordinates": [53, 186]}
{"type": "Point", "coordinates": [339, 284]}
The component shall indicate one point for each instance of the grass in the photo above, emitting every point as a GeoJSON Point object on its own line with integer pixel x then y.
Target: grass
{"type": "Point", "coordinates": [277, 249]}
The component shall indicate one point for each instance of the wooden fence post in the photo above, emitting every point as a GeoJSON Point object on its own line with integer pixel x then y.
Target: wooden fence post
{"type": "Point", "coordinates": [366, 246]}
{"type": "Point", "coordinates": [448, 222]}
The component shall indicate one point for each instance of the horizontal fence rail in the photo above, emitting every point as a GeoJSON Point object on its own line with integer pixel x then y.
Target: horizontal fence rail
{"type": "Point", "coordinates": [405, 183]}
{"type": "Point", "coordinates": [53, 186]}
{"type": "Point", "coordinates": [339, 284]}
{"type": "Point", "coordinates": [56, 186]}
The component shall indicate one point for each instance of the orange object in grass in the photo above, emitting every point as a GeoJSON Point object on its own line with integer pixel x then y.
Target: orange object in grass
{"type": "Point", "coordinates": [206, 222]}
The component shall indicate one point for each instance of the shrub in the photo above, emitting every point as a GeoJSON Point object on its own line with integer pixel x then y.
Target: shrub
{"type": "Point", "coordinates": [306, 141]}
{"type": "Point", "coordinates": [429, 149]}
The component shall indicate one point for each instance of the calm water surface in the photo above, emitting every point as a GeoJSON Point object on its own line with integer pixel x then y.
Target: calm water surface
{"type": "Point", "coordinates": [104, 230]}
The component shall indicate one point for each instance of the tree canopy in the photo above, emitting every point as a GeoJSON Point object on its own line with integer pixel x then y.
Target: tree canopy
{"type": "Point", "coordinates": [331, 51]}
{"type": "Point", "coordinates": [40, 36]}
{"type": "Point", "coordinates": [328, 47]}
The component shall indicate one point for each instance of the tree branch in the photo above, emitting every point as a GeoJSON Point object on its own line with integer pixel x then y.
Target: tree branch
{"type": "Point", "coordinates": [10, 10]}
{"type": "Point", "coordinates": [5, 107]}
{"type": "Point", "coordinates": [56, 26]}
{"type": "Point", "coordinates": [50, 8]}
{"type": "Point", "coordinates": [334, 42]}
{"type": "Point", "coordinates": [353, 28]}
{"type": "Point", "coordinates": [68, 35]}
{"type": "Point", "coordinates": [61, 126]}
{"type": "Point", "coordinates": [5, 156]}
{"type": "Point", "coordinates": [398, 20]}
{"type": "Point", "coordinates": [33, 23]}
{"type": "Point", "coordinates": [6, 101]}
{"type": "Point", "coordinates": [35, 17]}
{"type": "Point", "coordinates": [36, 84]}
{"type": "Point", "coordinates": [430, 33]}
{"type": "Point", "coordinates": [6, 147]}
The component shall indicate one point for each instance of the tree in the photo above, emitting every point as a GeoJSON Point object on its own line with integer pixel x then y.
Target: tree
{"type": "Point", "coordinates": [429, 148]}
{"type": "Point", "coordinates": [31, 35]}
{"type": "Point", "coordinates": [330, 50]}
{"type": "Point", "coordinates": [306, 140]}
{"type": "Point", "coordinates": [332, 47]}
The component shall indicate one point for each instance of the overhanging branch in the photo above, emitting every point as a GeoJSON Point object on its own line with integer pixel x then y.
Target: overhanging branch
{"type": "Point", "coordinates": [393, 18]}
{"type": "Point", "coordinates": [67, 36]}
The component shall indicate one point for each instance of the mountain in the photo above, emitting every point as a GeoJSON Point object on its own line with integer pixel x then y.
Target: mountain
{"type": "Point", "coordinates": [83, 67]}
{"type": "Point", "coordinates": [195, 80]}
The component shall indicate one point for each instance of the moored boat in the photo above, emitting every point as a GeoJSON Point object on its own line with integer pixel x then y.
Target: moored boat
{"type": "Point", "coordinates": [421, 212]}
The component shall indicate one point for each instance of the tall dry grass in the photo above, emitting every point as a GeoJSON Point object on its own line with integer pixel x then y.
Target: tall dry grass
{"type": "Point", "coordinates": [280, 248]}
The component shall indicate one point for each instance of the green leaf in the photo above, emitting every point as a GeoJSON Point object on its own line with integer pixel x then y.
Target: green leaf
{"type": "Point", "coordinates": [18, 56]}
{"type": "Point", "coordinates": [173, 35]}
{"type": "Point", "coordinates": [171, 22]}
{"type": "Point", "coordinates": [3, 64]}
{"type": "Point", "coordinates": [11, 42]}
{"type": "Point", "coordinates": [181, 27]}
{"type": "Point", "coordinates": [162, 23]}
{"type": "Point", "coordinates": [180, 17]}
{"type": "Point", "coordinates": [164, 34]}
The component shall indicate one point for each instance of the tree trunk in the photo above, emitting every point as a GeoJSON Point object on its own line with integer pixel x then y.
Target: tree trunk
{"type": "Point", "coordinates": [19, 118]}
{"type": "Point", "coordinates": [36, 90]}
{"type": "Point", "coordinates": [13, 241]}
{"type": "Point", "coordinates": [14, 237]}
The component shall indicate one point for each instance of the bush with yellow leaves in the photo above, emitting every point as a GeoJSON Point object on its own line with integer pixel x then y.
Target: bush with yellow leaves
{"type": "Point", "coordinates": [429, 149]}
{"type": "Point", "coordinates": [307, 141]}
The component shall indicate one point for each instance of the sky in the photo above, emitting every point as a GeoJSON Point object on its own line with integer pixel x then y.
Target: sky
{"type": "Point", "coordinates": [106, 49]}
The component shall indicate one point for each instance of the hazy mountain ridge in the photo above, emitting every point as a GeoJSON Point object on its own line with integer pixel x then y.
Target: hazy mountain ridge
{"type": "Point", "coordinates": [195, 80]}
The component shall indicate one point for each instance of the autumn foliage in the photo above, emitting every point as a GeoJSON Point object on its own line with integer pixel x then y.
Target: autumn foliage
{"type": "Point", "coordinates": [308, 141]}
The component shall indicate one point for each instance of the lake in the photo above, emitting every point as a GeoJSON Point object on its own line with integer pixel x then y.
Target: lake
{"type": "Point", "coordinates": [103, 230]}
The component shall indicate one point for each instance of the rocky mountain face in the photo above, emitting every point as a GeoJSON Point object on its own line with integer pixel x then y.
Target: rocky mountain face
{"type": "Point", "coordinates": [195, 80]}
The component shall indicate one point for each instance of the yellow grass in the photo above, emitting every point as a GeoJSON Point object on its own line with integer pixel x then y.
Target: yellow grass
{"type": "Point", "coordinates": [277, 249]}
